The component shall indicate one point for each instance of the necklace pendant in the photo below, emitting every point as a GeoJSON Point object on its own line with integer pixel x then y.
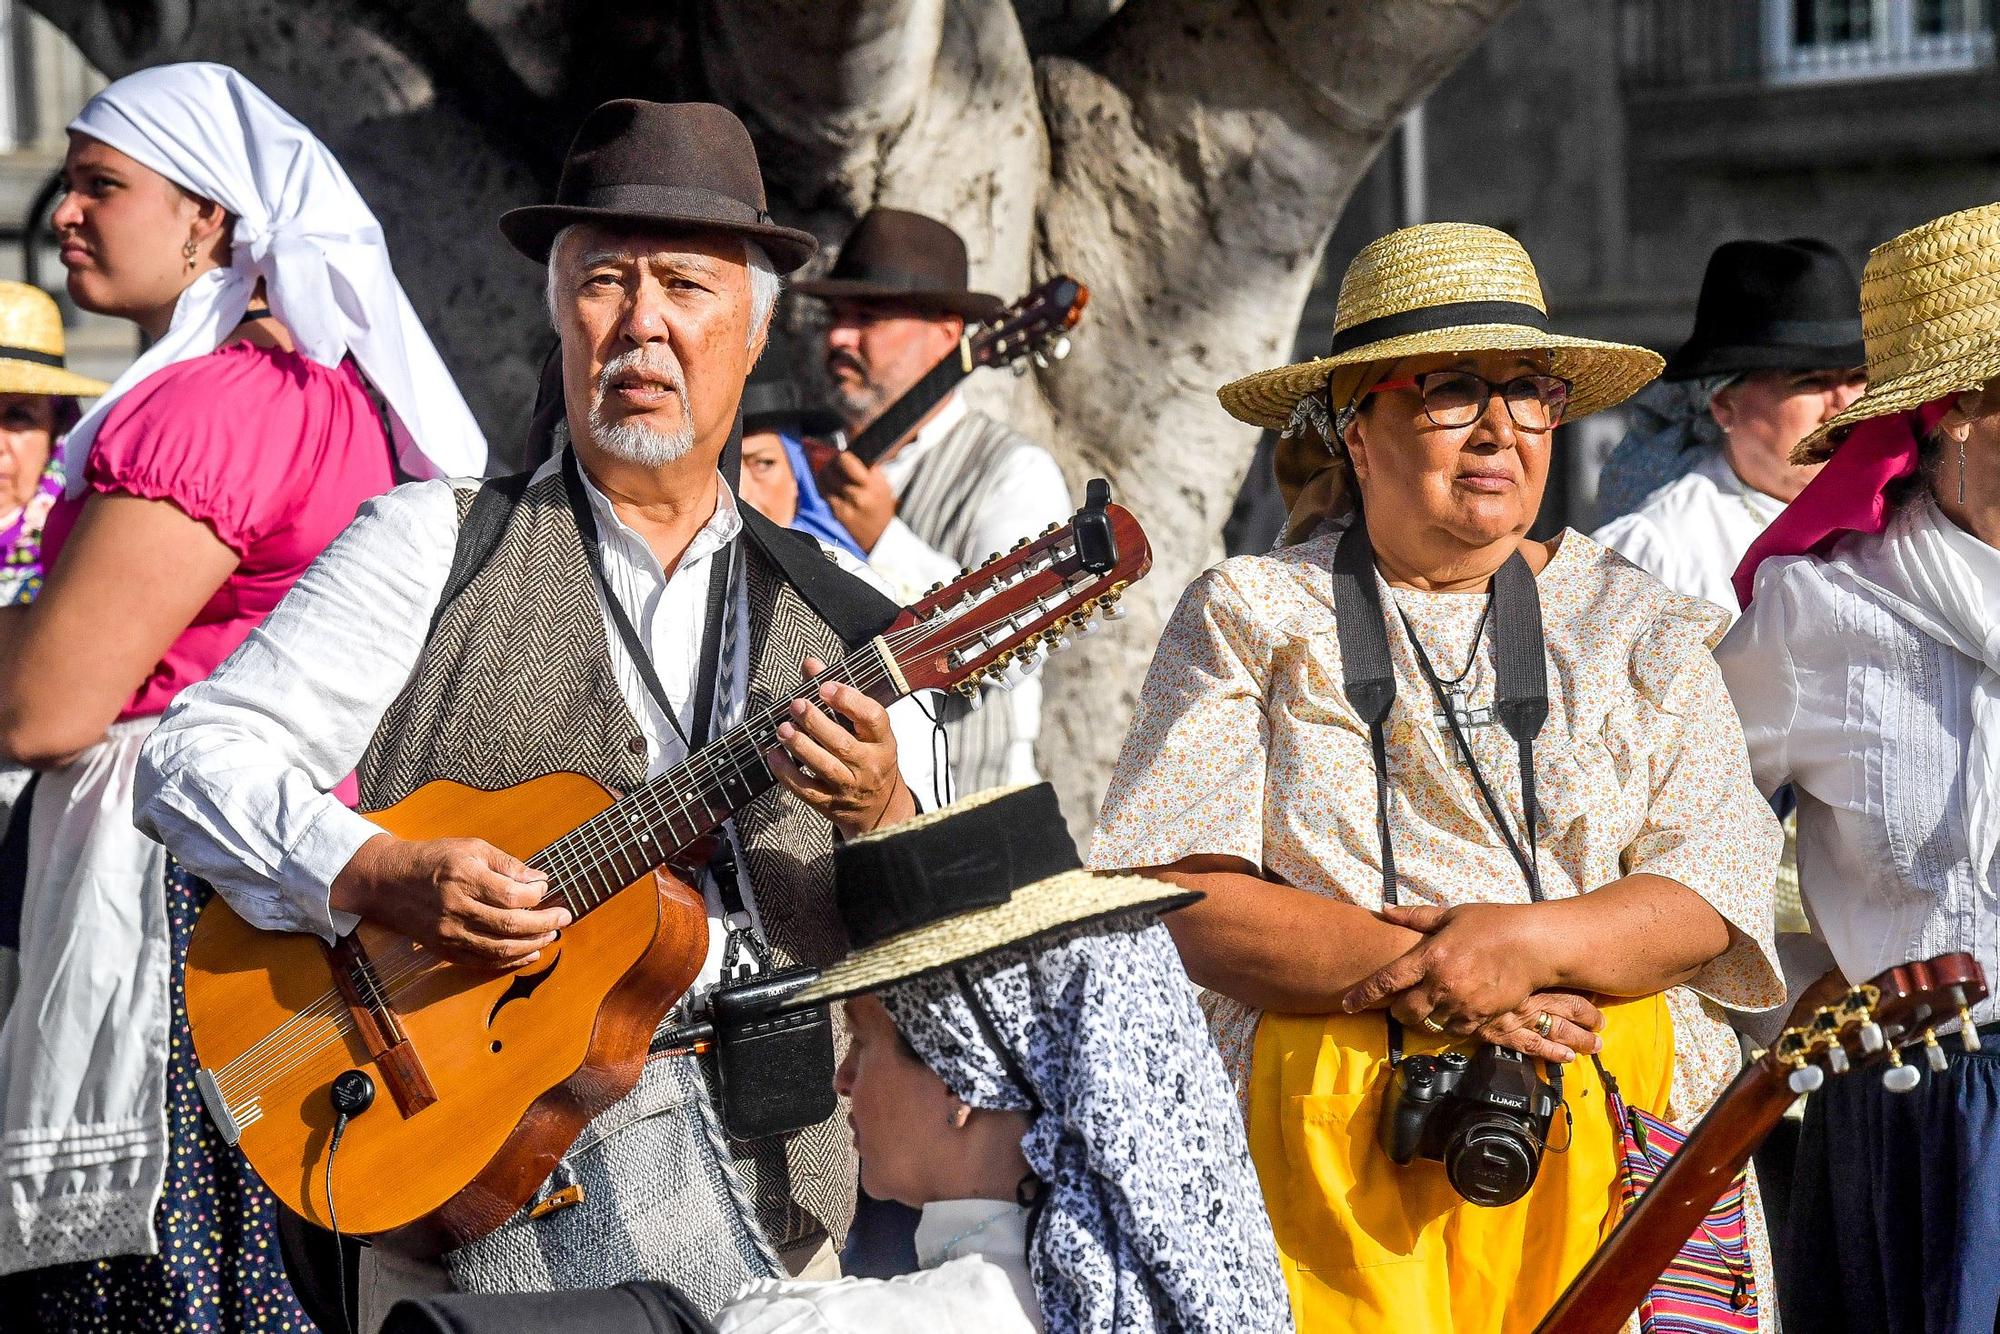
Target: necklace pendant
{"type": "Point", "coordinates": [1462, 710]}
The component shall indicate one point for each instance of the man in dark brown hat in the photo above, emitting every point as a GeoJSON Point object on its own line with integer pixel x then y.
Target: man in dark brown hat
{"type": "Point", "coordinates": [603, 615]}
{"type": "Point", "coordinates": [961, 486]}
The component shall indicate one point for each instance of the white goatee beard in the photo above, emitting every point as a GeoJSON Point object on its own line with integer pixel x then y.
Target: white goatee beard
{"type": "Point", "coordinates": [632, 440]}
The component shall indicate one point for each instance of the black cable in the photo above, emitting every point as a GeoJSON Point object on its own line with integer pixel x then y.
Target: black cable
{"type": "Point", "coordinates": [333, 1223]}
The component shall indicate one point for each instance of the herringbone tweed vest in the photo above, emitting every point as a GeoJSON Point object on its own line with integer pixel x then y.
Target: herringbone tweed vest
{"type": "Point", "coordinates": [517, 682]}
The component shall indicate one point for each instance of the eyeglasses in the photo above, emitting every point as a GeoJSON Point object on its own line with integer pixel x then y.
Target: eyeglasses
{"type": "Point", "coordinates": [1457, 399]}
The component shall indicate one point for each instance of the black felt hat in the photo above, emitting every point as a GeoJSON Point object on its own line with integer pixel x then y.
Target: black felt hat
{"type": "Point", "coordinates": [777, 405]}
{"type": "Point", "coordinates": [660, 164]}
{"type": "Point", "coordinates": [996, 869]}
{"type": "Point", "coordinates": [1773, 305]}
{"type": "Point", "coordinates": [893, 255]}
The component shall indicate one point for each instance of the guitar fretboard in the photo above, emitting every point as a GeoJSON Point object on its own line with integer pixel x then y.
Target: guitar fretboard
{"type": "Point", "coordinates": [654, 824]}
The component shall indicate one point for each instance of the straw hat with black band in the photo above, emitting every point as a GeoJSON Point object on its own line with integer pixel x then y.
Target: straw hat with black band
{"type": "Point", "coordinates": [1435, 288]}
{"type": "Point", "coordinates": [995, 869]}
{"type": "Point", "coordinates": [32, 357]}
{"type": "Point", "coordinates": [1930, 317]}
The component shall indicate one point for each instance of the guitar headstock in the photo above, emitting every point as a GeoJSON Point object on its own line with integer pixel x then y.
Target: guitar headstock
{"type": "Point", "coordinates": [1035, 326]}
{"type": "Point", "coordinates": [997, 623]}
{"type": "Point", "coordinates": [1873, 1022]}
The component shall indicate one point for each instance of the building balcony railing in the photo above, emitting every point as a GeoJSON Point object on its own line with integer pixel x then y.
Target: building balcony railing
{"type": "Point", "coordinates": [1691, 44]}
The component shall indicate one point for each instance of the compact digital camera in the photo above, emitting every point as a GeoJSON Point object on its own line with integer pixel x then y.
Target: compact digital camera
{"type": "Point", "coordinates": [1485, 1117]}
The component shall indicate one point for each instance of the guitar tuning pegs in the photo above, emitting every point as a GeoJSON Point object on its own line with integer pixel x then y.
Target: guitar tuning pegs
{"type": "Point", "coordinates": [934, 589]}
{"type": "Point", "coordinates": [1020, 368]}
{"type": "Point", "coordinates": [1871, 1039]}
{"type": "Point", "coordinates": [1022, 543]}
{"type": "Point", "coordinates": [1061, 348]}
{"type": "Point", "coordinates": [1052, 528]}
{"type": "Point", "coordinates": [1900, 1078]}
{"type": "Point", "coordinates": [1806, 1079]}
{"type": "Point", "coordinates": [1968, 1032]}
{"type": "Point", "coordinates": [1836, 1059]}
{"type": "Point", "coordinates": [1933, 1054]}
{"type": "Point", "coordinates": [1041, 361]}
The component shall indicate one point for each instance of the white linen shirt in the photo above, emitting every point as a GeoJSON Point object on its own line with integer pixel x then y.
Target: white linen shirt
{"type": "Point", "coordinates": [1869, 719]}
{"type": "Point", "coordinates": [1692, 533]}
{"type": "Point", "coordinates": [236, 778]}
{"type": "Point", "coordinates": [1028, 494]}
{"type": "Point", "coordinates": [972, 1258]}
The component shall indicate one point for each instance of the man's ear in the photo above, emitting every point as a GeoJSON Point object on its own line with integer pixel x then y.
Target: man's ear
{"type": "Point", "coordinates": [1722, 407]}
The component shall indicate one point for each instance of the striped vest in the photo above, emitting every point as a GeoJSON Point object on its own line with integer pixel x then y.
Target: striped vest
{"type": "Point", "coordinates": [515, 682]}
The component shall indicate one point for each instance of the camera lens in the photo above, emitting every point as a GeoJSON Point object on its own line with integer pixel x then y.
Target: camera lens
{"type": "Point", "coordinates": [1491, 1161]}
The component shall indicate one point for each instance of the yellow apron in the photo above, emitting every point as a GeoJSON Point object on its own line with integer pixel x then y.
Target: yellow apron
{"type": "Point", "coordinates": [1366, 1245]}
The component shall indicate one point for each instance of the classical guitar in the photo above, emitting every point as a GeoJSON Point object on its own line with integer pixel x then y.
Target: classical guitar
{"type": "Point", "coordinates": [487, 1077]}
{"type": "Point", "coordinates": [1868, 1026]}
{"type": "Point", "coordinates": [1036, 326]}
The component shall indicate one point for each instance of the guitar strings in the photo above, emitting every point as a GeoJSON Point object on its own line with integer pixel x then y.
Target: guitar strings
{"type": "Point", "coordinates": [579, 867]}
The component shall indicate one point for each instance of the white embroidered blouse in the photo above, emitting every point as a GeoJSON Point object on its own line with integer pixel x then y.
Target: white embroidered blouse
{"type": "Point", "coordinates": [1244, 745]}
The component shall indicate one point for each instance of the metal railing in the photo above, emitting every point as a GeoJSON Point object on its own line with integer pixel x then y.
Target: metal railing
{"type": "Point", "coordinates": [1669, 44]}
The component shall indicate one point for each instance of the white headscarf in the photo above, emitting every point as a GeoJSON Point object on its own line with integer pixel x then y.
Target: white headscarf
{"type": "Point", "coordinates": [304, 229]}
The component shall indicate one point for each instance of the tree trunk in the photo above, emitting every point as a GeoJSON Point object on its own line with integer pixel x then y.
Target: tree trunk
{"type": "Point", "coordinates": [1185, 158]}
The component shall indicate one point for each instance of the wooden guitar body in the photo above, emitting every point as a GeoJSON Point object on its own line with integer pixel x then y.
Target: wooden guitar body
{"type": "Point", "coordinates": [516, 1062]}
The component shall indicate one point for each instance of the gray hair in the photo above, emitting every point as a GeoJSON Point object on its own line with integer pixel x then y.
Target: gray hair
{"type": "Point", "coordinates": [764, 281]}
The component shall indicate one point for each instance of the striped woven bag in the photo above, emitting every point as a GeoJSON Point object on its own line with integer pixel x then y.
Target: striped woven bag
{"type": "Point", "coordinates": [1711, 1284]}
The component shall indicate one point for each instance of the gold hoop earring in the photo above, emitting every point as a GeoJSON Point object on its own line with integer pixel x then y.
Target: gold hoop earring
{"type": "Point", "coordinates": [187, 252]}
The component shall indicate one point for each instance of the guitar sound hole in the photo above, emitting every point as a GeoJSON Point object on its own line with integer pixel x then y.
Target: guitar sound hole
{"type": "Point", "coordinates": [496, 1047]}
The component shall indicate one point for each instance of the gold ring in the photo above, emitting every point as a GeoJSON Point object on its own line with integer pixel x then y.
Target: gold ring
{"type": "Point", "coordinates": [1432, 1024]}
{"type": "Point", "coordinates": [1544, 1022]}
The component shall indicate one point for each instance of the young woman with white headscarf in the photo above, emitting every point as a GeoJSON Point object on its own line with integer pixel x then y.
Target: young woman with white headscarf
{"type": "Point", "coordinates": [200, 487]}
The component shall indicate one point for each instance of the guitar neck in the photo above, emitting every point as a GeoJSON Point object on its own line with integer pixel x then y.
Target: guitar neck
{"type": "Point", "coordinates": [1646, 1240]}
{"type": "Point", "coordinates": [654, 825]}
{"type": "Point", "coordinates": [901, 416]}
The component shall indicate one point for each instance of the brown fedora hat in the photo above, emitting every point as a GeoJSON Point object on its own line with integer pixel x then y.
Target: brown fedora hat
{"type": "Point", "coordinates": [896, 256]}
{"type": "Point", "coordinates": [665, 164]}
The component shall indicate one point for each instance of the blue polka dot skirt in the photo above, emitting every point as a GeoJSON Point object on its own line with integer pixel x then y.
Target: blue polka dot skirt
{"type": "Point", "coordinates": [218, 1270]}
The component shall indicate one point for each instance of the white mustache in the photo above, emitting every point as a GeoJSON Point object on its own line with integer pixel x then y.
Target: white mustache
{"type": "Point", "coordinates": [652, 361]}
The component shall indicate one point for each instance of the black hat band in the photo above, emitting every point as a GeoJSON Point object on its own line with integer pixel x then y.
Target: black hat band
{"type": "Point", "coordinates": [30, 354]}
{"type": "Point", "coordinates": [1428, 319]}
{"type": "Point", "coordinates": [671, 201]}
{"type": "Point", "coordinates": [975, 859]}
{"type": "Point", "coordinates": [1810, 333]}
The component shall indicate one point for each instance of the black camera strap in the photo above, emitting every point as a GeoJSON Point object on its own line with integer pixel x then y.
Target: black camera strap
{"type": "Point", "coordinates": [1369, 679]}
{"type": "Point", "coordinates": [722, 866]}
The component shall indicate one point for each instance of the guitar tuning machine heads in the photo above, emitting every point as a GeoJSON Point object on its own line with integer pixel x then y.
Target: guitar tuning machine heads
{"type": "Point", "coordinates": [1968, 1032]}
{"type": "Point", "coordinates": [1051, 529]}
{"type": "Point", "coordinates": [1900, 1078]}
{"type": "Point", "coordinates": [1933, 1054]}
{"type": "Point", "coordinates": [1836, 1059]}
{"type": "Point", "coordinates": [1061, 348]}
{"type": "Point", "coordinates": [1021, 368]}
{"type": "Point", "coordinates": [1806, 1079]}
{"type": "Point", "coordinates": [1872, 1040]}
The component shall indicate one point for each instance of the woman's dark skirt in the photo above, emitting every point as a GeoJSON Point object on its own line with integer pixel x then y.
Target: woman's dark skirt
{"type": "Point", "coordinates": [1894, 1224]}
{"type": "Point", "coordinates": [218, 1270]}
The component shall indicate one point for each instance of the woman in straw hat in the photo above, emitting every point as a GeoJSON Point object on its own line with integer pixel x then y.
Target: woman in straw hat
{"type": "Point", "coordinates": [1636, 902]}
{"type": "Point", "coordinates": [200, 487]}
{"type": "Point", "coordinates": [1867, 672]}
{"type": "Point", "coordinates": [38, 402]}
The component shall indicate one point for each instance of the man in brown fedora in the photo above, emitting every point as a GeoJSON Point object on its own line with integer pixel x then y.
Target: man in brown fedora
{"type": "Point", "coordinates": [962, 485]}
{"type": "Point", "coordinates": [602, 615]}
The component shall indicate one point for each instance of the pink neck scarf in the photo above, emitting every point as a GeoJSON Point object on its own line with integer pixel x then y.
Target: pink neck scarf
{"type": "Point", "coordinates": [1847, 496]}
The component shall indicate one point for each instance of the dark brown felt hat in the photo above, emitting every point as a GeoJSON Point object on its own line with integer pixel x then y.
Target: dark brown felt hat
{"type": "Point", "coordinates": [664, 164]}
{"type": "Point", "coordinates": [906, 258]}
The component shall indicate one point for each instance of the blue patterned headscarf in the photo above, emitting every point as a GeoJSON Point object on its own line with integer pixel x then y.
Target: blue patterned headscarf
{"type": "Point", "coordinates": [1150, 1217]}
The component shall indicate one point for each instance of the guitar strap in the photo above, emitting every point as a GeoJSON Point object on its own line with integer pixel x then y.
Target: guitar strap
{"type": "Point", "coordinates": [1369, 680]}
{"type": "Point", "coordinates": [716, 646]}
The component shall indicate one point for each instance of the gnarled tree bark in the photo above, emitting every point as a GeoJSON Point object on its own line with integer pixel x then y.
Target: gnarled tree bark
{"type": "Point", "coordinates": [1186, 158]}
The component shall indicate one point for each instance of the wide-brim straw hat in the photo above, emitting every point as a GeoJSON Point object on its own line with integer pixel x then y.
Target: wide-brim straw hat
{"type": "Point", "coordinates": [1444, 287]}
{"type": "Point", "coordinates": [995, 870]}
{"type": "Point", "coordinates": [1930, 315]}
{"type": "Point", "coordinates": [32, 356]}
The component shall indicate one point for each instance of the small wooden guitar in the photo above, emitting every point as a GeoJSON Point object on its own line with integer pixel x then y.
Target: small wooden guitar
{"type": "Point", "coordinates": [1869, 1026]}
{"type": "Point", "coordinates": [487, 1077]}
{"type": "Point", "coordinates": [1035, 326]}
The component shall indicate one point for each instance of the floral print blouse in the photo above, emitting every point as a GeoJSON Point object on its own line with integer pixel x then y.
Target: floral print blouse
{"type": "Point", "coordinates": [1244, 745]}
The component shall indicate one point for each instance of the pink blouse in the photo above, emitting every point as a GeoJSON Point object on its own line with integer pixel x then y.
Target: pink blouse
{"type": "Point", "coordinates": [271, 450]}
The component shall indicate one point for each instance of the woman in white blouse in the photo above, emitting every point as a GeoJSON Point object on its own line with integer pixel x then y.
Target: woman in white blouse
{"type": "Point", "coordinates": [1867, 673]}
